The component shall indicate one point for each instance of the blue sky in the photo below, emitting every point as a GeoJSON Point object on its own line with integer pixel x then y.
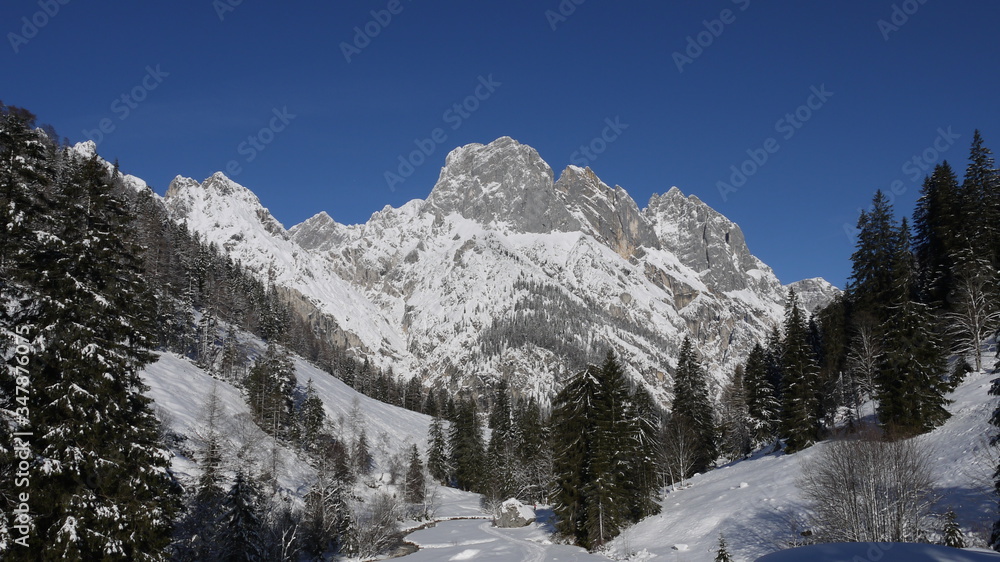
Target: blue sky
{"type": "Point", "coordinates": [266, 89]}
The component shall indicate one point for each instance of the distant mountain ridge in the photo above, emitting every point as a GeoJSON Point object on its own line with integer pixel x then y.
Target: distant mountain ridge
{"type": "Point", "coordinates": [505, 271]}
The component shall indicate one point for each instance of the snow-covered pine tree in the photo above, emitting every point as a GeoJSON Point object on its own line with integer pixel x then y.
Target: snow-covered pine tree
{"type": "Point", "coordinates": [910, 384]}
{"type": "Point", "coordinates": [939, 229]}
{"type": "Point", "coordinates": [437, 452]}
{"type": "Point", "coordinates": [952, 533]}
{"type": "Point", "coordinates": [722, 551]}
{"type": "Point", "coordinates": [414, 483]}
{"type": "Point", "coordinates": [241, 533]}
{"type": "Point", "coordinates": [642, 419]}
{"type": "Point", "coordinates": [762, 403]}
{"type": "Point", "coordinates": [105, 491]}
{"type": "Point", "coordinates": [312, 417]}
{"type": "Point", "coordinates": [692, 407]}
{"type": "Point", "coordinates": [270, 385]}
{"type": "Point", "coordinates": [799, 424]}
{"type": "Point", "coordinates": [573, 425]}
{"type": "Point", "coordinates": [981, 200]}
{"type": "Point", "coordinates": [870, 284]}
{"type": "Point", "coordinates": [467, 448]}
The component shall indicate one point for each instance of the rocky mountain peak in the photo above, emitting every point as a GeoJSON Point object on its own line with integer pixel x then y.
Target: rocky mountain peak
{"type": "Point", "coordinates": [501, 182]}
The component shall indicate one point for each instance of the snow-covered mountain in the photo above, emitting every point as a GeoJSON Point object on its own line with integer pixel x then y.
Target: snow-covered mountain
{"type": "Point", "coordinates": [506, 271]}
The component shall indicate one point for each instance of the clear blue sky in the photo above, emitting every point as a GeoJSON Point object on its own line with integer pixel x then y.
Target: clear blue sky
{"type": "Point", "coordinates": [216, 81]}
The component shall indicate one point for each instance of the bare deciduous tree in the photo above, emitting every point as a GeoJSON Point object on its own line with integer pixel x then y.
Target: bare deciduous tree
{"type": "Point", "coordinates": [680, 451]}
{"type": "Point", "coordinates": [975, 316]}
{"type": "Point", "coordinates": [866, 489]}
{"type": "Point", "coordinates": [374, 526]}
{"type": "Point", "coordinates": [863, 360]}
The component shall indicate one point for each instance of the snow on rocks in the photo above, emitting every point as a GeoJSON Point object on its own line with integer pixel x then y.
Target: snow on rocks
{"type": "Point", "coordinates": [515, 514]}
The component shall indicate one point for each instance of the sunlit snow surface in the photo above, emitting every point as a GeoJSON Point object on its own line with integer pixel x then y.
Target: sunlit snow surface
{"type": "Point", "coordinates": [753, 503]}
{"type": "Point", "coordinates": [756, 505]}
{"type": "Point", "coordinates": [880, 552]}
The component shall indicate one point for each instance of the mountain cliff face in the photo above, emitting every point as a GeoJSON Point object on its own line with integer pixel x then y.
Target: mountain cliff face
{"type": "Point", "coordinates": [505, 271]}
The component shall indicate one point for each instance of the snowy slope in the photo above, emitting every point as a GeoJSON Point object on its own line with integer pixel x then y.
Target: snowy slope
{"type": "Point", "coordinates": [755, 503]}
{"type": "Point", "coordinates": [180, 390]}
{"type": "Point", "coordinates": [229, 215]}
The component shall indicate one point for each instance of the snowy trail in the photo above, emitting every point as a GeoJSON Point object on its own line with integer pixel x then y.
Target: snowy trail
{"type": "Point", "coordinates": [534, 552]}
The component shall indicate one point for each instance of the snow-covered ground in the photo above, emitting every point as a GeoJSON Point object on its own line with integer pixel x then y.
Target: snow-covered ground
{"type": "Point", "coordinates": [882, 552]}
{"type": "Point", "coordinates": [756, 505]}
{"type": "Point", "coordinates": [180, 391]}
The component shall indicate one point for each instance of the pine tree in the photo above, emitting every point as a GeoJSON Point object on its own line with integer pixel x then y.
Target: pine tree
{"type": "Point", "coordinates": [500, 450]}
{"type": "Point", "coordinates": [573, 424]}
{"type": "Point", "coordinates": [981, 201]}
{"type": "Point", "coordinates": [415, 488]}
{"type": "Point", "coordinates": [722, 553]}
{"type": "Point", "coordinates": [736, 425]}
{"type": "Point", "coordinates": [871, 282]}
{"type": "Point", "coordinates": [953, 535]}
{"type": "Point", "coordinates": [691, 406]}
{"type": "Point", "coordinates": [414, 399]}
{"type": "Point", "coordinates": [800, 408]}
{"type": "Point", "coordinates": [762, 403]}
{"type": "Point", "coordinates": [910, 384]}
{"type": "Point", "coordinates": [363, 461]}
{"type": "Point", "coordinates": [939, 224]}
{"type": "Point", "coordinates": [467, 448]}
{"type": "Point", "coordinates": [108, 493]}
{"type": "Point", "coordinates": [994, 441]}
{"type": "Point", "coordinates": [270, 387]}
{"type": "Point", "coordinates": [312, 417]}
{"type": "Point", "coordinates": [437, 452]}
{"type": "Point", "coordinates": [241, 531]}
{"type": "Point", "coordinates": [604, 445]}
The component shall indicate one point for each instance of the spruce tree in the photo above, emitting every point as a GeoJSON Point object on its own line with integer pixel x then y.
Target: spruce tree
{"type": "Point", "coordinates": [241, 527]}
{"type": "Point", "coordinates": [574, 421]}
{"type": "Point", "coordinates": [270, 386]}
{"type": "Point", "coordinates": [871, 281]}
{"type": "Point", "coordinates": [799, 424]}
{"type": "Point", "coordinates": [603, 437]}
{"type": "Point", "coordinates": [722, 552]}
{"type": "Point", "coordinates": [437, 452]}
{"type": "Point", "coordinates": [981, 200]}
{"type": "Point", "coordinates": [691, 406]}
{"type": "Point", "coordinates": [762, 403]}
{"type": "Point", "coordinates": [108, 492]}
{"type": "Point", "coordinates": [953, 535]}
{"type": "Point", "coordinates": [415, 489]}
{"type": "Point", "coordinates": [467, 448]}
{"type": "Point", "coordinates": [939, 224]}
{"type": "Point", "coordinates": [910, 384]}
{"type": "Point", "coordinates": [312, 417]}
